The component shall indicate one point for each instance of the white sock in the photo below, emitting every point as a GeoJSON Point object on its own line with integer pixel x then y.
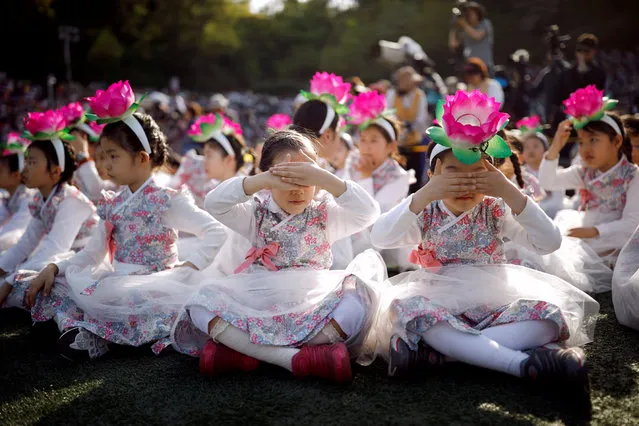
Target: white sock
{"type": "Point", "coordinates": [238, 340]}
{"type": "Point", "coordinates": [523, 335]}
{"type": "Point", "coordinates": [477, 350]}
{"type": "Point", "coordinates": [201, 317]}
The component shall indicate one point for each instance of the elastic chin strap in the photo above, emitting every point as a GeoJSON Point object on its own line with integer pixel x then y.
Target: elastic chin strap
{"type": "Point", "coordinates": [139, 132]}
{"type": "Point", "coordinates": [20, 161]}
{"type": "Point", "coordinates": [330, 116]}
{"type": "Point", "coordinates": [436, 151]}
{"type": "Point", "coordinates": [59, 152]}
{"type": "Point", "coordinates": [220, 138]}
{"type": "Point", "coordinates": [88, 130]}
{"type": "Point", "coordinates": [387, 127]}
{"type": "Point", "coordinates": [612, 123]}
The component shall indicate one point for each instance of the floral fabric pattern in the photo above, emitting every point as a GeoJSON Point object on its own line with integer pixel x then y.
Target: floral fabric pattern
{"type": "Point", "coordinates": [474, 238]}
{"type": "Point", "coordinates": [417, 314]}
{"type": "Point", "coordinates": [47, 213]}
{"type": "Point", "coordinates": [303, 240]}
{"type": "Point", "coordinates": [606, 193]}
{"type": "Point", "coordinates": [139, 235]}
{"type": "Point", "coordinates": [192, 177]}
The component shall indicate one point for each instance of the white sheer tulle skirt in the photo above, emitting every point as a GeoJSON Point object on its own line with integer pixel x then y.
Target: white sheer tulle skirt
{"type": "Point", "coordinates": [575, 262]}
{"type": "Point", "coordinates": [283, 308]}
{"type": "Point", "coordinates": [625, 284]}
{"type": "Point", "coordinates": [474, 297]}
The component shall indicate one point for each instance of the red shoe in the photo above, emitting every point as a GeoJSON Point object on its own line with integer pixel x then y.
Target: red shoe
{"type": "Point", "coordinates": [326, 361]}
{"type": "Point", "coordinates": [216, 359]}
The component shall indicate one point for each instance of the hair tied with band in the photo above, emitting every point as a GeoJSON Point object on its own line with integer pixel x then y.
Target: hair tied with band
{"type": "Point", "coordinates": [117, 103]}
{"type": "Point", "coordinates": [470, 122]}
{"type": "Point", "coordinates": [370, 108]}
{"type": "Point", "coordinates": [589, 104]}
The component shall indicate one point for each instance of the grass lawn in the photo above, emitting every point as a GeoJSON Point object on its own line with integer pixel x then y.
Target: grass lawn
{"type": "Point", "coordinates": [132, 386]}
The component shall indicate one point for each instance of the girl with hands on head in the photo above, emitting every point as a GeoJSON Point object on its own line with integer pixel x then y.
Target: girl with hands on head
{"type": "Point", "coordinates": [466, 302]}
{"type": "Point", "coordinates": [284, 305]}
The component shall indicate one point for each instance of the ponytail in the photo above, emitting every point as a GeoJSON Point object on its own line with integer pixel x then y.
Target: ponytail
{"type": "Point", "coordinates": [517, 167]}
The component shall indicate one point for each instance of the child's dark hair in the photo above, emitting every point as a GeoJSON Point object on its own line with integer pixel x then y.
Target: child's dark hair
{"type": "Point", "coordinates": [47, 148]}
{"type": "Point", "coordinates": [631, 125]}
{"type": "Point", "coordinates": [311, 115]}
{"type": "Point", "coordinates": [120, 133]}
{"type": "Point", "coordinates": [237, 145]}
{"type": "Point", "coordinates": [600, 126]}
{"type": "Point", "coordinates": [516, 146]}
{"type": "Point", "coordinates": [12, 162]}
{"type": "Point", "coordinates": [173, 160]}
{"type": "Point", "coordinates": [396, 128]}
{"type": "Point", "coordinates": [285, 141]}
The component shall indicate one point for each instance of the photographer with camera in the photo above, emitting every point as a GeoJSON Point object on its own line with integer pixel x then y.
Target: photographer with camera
{"type": "Point", "coordinates": [473, 32]}
{"type": "Point", "coordinates": [584, 72]}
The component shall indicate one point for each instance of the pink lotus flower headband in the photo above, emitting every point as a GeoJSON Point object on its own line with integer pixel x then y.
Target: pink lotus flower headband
{"type": "Point", "coordinates": [15, 145]}
{"type": "Point", "coordinates": [331, 89]}
{"type": "Point", "coordinates": [370, 108]}
{"type": "Point", "coordinates": [75, 117]}
{"type": "Point", "coordinates": [530, 125]}
{"type": "Point", "coordinates": [49, 125]}
{"type": "Point", "coordinates": [279, 122]}
{"type": "Point", "coordinates": [216, 127]}
{"type": "Point", "coordinates": [589, 104]}
{"type": "Point", "coordinates": [470, 122]}
{"type": "Point", "coordinates": [117, 103]}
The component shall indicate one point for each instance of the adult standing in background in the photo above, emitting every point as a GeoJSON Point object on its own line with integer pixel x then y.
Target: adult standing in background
{"type": "Point", "coordinates": [411, 109]}
{"type": "Point", "coordinates": [474, 33]}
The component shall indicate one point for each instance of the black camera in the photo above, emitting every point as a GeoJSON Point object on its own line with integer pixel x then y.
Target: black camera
{"type": "Point", "coordinates": [555, 41]}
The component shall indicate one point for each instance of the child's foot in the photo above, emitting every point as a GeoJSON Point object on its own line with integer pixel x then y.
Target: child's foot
{"type": "Point", "coordinates": [5, 290]}
{"type": "Point", "coordinates": [402, 359]}
{"type": "Point", "coordinates": [326, 361]}
{"type": "Point", "coordinates": [216, 359]}
{"type": "Point", "coordinates": [566, 365]}
{"type": "Point", "coordinates": [77, 344]}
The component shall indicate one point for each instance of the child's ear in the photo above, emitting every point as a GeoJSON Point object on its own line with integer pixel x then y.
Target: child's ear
{"type": "Point", "coordinates": [618, 142]}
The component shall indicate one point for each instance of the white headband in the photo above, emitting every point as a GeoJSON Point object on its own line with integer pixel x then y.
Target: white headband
{"type": "Point", "coordinates": [612, 123]}
{"type": "Point", "coordinates": [220, 138]}
{"type": "Point", "coordinates": [386, 126]}
{"type": "Point", "coordinates": [436, 151]}
{"type": "Point", "coordinates": [59, 152]}
{"type": "Point", "coordinates": [542, 138]}
{"type": "Point", "coordinates": [20, 161]}
{"type": "Point", "coordinates": [88, 130]}
{"type": "Point", "coordinates": [135, 125]}
{"type": "Point", "coordinates": [330, 116]}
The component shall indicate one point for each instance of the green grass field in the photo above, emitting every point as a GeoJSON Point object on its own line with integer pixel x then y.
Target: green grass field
{"type": "Point", "coordinates": [132, 386]}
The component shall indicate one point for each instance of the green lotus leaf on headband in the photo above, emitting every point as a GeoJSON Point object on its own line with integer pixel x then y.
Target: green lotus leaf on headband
{"type": "Point", "coordinates": [438, 135]}
{"type": "Point", "coordinates": [498, 148]}
{"type": "Point", "coordinates": [467, 156]}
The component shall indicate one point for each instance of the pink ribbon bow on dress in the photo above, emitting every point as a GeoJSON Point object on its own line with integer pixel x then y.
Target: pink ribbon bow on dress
{"type": "Point", "coordinates": [110, 241]}
{"type": "Point", "coordinates": [265, 254]}
{"type": "Point", "coordinates": [425, 259]}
